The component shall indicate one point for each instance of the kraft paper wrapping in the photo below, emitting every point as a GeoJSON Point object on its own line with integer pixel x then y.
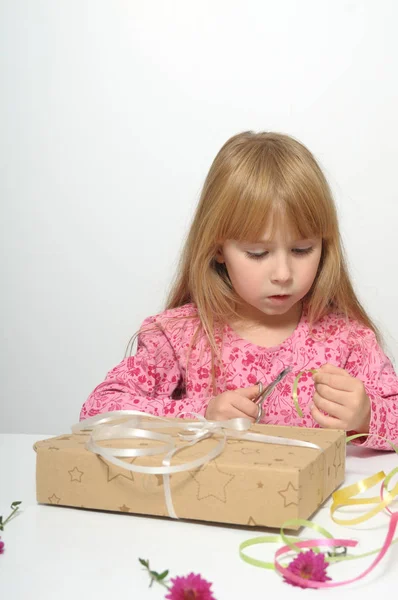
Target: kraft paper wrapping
{"type": "Point", "coordinates": [250, 483]}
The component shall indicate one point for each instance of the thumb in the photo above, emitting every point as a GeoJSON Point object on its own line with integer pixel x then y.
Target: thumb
{"type": "Point", "coordinates": [249, 392]}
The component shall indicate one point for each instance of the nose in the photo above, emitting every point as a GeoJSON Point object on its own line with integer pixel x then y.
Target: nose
{"type": "Point", "coordinates": [281, 270]}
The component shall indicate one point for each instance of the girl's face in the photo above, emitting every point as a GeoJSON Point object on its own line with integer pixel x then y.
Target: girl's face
{"type": "Point", "coordinates": [271, 277]}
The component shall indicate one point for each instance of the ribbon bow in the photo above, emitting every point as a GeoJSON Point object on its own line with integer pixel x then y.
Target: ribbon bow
{"type": "Point", "coordinates": [132, 424]}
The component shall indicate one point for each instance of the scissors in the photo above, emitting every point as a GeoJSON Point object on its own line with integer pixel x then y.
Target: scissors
{"type": "Point", "coordinates": [264, 393]}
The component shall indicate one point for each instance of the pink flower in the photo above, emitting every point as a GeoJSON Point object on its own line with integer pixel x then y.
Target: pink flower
{"type": "Point", "coordinates": [191, 587]}
{"type": "Point", "coordinates": [308, 565]}
{"type": "Point", "coordinates": [203, 373]}
{"type": "Point", "coordinates": [1, 547]}
{"type": "Point", "coordinates": [249, 359]}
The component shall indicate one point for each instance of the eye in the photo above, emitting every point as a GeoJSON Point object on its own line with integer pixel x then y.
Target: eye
{"type": "Point", "coordinates": [256, 256]}
{"type": "Point", "coordinates": [302, 251]}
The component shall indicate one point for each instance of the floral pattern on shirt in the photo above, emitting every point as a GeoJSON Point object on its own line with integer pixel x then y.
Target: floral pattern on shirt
{"type": "Point", "coordinates": [158, 380]}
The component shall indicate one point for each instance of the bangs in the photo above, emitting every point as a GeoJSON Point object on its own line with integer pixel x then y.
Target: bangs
{"type": "Point", "coordinates": [271, 189]}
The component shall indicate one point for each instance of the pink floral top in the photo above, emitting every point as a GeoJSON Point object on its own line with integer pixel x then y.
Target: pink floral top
{"type": "Point", "coordinates": [158, 379]}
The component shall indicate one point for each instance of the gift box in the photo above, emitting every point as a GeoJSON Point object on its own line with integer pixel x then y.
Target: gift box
{"type": "Point", "coordinates": [248, 483]}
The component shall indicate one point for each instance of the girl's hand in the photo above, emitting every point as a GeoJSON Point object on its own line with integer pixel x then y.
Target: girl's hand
{"type": "Point", "coordinates": [343, 398]}
{"type": "Point", "coordinates": [232, 404]}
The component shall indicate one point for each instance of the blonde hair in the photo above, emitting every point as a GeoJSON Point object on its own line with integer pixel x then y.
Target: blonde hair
{"type": "Point", "coordinates": [256, 179]}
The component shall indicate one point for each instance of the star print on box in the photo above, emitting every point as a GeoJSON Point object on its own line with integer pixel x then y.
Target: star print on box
{"type": "Point", "coordinates": [337, 461]}
{"type": "Point", "coordinates": [248, 451]}
{"type": "Point", "coordinates": [278, 481]}
{"type": "Point", "coordinates": [76, 475]}
{"type": "Point", "coordinates": [289, 495]}
{"type": "Point", "coordinates": [54, 499]}
{"type": "Point", "coordinates": [114, 471]}
{"type": "Point", "coordinates": [212, 485]}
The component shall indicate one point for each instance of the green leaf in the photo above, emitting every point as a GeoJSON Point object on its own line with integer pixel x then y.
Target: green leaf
{"type": "Point", "coordinates": [163, 575]}
{"type": "Point", "coordinates": [154, 574]}
{"type": "Point", "coordinates": [145, 563]}
{"type": "Point", "coordinates": [15, 504]}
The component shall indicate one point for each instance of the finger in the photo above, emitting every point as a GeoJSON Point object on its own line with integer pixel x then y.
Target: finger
{"type": "Point", "coordinates": [238, 414]}
{"type": "Point", "coordinates": [327, 368]}
{"type": "Point", "coordinates": [336, 396]}
{"type": "Point", "coordinates": [325, 421]}
{"type": "Point", "coordinates": [335, 381]}
{"type": "Point", "coordinates": [249, 392]}
{"type": "Point", "coordinates": [331, 408]}
{"type": "Point", "coordinates": [228, 412]}
{"type": "Point", "coordinates": [246, 406]}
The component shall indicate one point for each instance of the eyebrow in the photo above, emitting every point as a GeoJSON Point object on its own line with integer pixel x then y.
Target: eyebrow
{"type": "Point", "coordinates": [309, 240]}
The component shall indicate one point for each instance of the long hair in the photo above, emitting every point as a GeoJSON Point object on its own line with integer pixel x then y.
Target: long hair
{"type": "Point", "coordinates": [256, 179]}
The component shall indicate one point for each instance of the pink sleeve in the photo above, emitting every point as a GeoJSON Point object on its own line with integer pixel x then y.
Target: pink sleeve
{"type": "Point", "coordinates": [142, 382]}
{"type": "Point", "coordinates": [368, 363]}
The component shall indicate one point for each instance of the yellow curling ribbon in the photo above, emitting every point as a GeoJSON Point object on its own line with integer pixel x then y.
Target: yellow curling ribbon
{"type": "Point", "coordinates": [388, 479]}
{"type": "Point", "coordinates": [341, 498]}
{"type": "Point", "coordinates": [344, 497]}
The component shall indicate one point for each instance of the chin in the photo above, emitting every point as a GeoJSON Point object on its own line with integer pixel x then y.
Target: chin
{"type": "Point", "coordinates": [278, 310]}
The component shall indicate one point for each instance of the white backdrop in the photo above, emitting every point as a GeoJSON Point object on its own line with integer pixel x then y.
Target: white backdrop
{"type": "Point", "coordinates": [111, 113]}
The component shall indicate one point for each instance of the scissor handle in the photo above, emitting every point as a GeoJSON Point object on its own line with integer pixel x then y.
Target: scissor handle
{"type": "Point", "coordinates": [264, 393]}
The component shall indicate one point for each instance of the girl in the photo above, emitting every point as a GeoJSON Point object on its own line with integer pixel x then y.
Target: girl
{"type": "Point", "coordinates": [262, 285]}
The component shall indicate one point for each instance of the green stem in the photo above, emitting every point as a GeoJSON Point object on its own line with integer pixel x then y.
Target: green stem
{"type": "Point", "coordinates": [9, 517]}
{"type": "Point", "coordinates": [158, 581]}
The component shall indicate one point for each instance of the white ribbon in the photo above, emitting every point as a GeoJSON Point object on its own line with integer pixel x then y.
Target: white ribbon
{"type": "Point", "coordinates": [133, 424]}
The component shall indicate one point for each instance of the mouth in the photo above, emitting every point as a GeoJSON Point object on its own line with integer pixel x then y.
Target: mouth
{"type": "Point", "coordinates": [279, 297]}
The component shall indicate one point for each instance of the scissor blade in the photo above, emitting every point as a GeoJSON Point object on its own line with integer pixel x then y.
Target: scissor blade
{"type": "Point", "coordinates": [282, 375]}
{"type": "Point", "coordinates": [269, 389]}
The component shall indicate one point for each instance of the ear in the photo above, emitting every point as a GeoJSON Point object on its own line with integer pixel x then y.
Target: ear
{"type": "Point", "coordinates": [219, 257]}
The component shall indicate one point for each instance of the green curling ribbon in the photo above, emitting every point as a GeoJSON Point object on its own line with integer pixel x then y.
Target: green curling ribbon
{"type": "Point", "coordinates": [268, 539]}
{"type": "Point", "coordinates": [289, 541]}
{"type": "Point", "coordinates": [277, 539]}
{"type": "Point", "coordinates": [302, 523]}
{"type": "Point", "coordinates": [358, 435]}
{"type": "Point", "coordinates": [294, 393]}
{"type": "Point", "coordinates": [297, 523]}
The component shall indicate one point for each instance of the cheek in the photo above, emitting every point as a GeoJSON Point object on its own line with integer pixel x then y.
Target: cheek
{"type": "Point", "coordinates": [243, 275]}
{"type": "Point", "coordinates": [309, 271]}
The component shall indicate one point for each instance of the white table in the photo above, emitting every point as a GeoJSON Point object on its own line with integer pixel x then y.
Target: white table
{"type": "Point", "coordinates": [55, 553]}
